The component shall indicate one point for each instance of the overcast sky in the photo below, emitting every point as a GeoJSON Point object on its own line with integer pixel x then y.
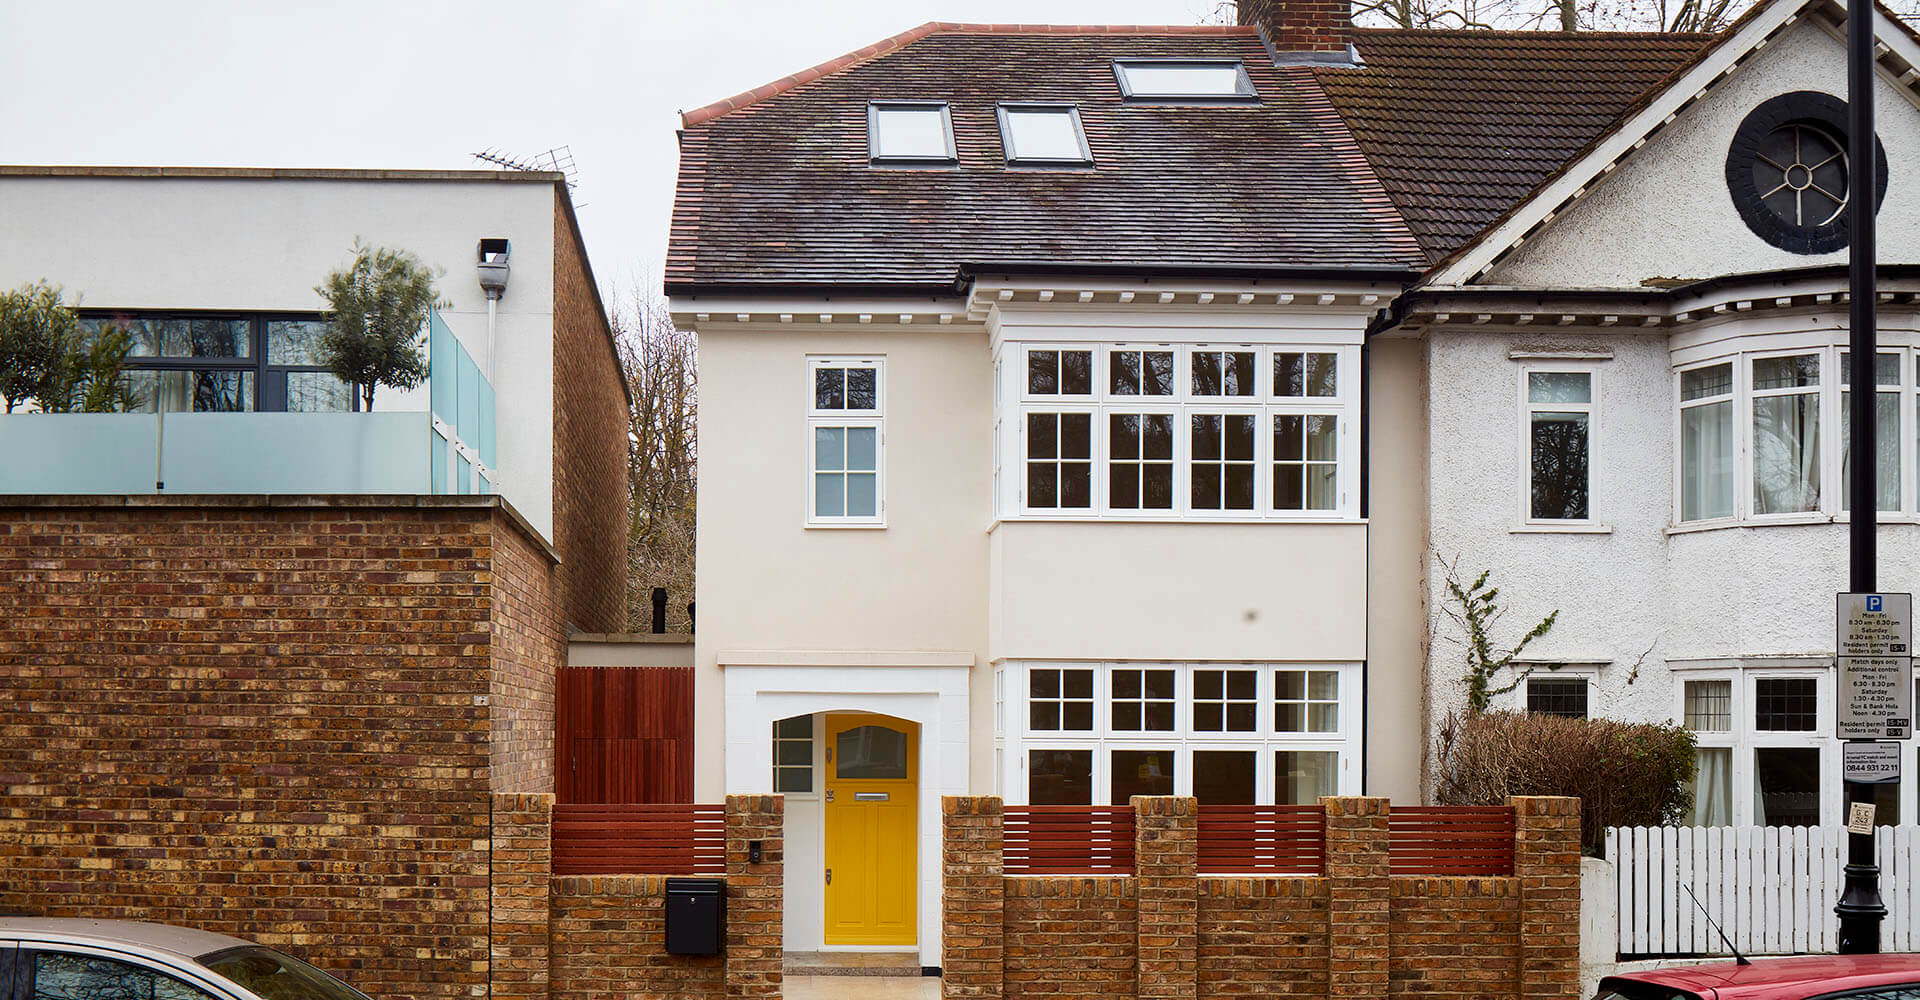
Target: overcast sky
{"type": "Point", "coordinates": [425, 83]}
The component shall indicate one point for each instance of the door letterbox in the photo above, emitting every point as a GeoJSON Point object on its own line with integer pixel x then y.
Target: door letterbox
{"type": "Point", "coordinates": [696, 916]}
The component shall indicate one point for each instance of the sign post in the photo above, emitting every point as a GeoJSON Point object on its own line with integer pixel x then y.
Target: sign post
{"type": "Point", "coordinates": [1874, 643]}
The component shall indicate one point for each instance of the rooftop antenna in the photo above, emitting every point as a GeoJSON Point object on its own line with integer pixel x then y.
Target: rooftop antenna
{"type": "Point", "coordinates": [1738, 959]}
{"type": "Point", "coordinates": [558, 160]}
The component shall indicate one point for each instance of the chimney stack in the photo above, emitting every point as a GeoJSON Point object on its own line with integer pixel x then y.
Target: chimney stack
{"type": "Point", "coordinates": [1302, 25]}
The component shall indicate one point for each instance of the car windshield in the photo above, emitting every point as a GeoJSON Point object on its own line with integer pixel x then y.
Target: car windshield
{"type": "Point", "coordinates": [273, 976]}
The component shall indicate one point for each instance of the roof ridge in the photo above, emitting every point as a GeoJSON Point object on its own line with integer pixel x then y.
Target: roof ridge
{"type": "Point", "coordinates": [894, 43]}
{"type": "Point", "coordinates": [1536, 34]}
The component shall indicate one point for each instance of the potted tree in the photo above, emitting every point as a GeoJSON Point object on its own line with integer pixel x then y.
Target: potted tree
{"type": "Point", "coordinates": [376, 306]}
{"type": "Point", "coordinates": [36, 331]}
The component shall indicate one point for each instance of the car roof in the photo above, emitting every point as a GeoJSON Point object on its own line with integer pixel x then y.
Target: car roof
{"type": "Point", "coordinates": [1784, 978]}
{"type": "Point", "coordinates": [186, 942]}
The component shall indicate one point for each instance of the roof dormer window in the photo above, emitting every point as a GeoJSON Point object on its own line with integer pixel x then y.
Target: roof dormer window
{"type": "Point", "coordinates": [1184, 80]}
{"type": "Point", "coordinates": [1043, 134]}
{"type": "Point", "coordinates": [910, 132]}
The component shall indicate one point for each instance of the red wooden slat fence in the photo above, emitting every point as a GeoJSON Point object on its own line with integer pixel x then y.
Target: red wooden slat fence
{"type": "Point", "coordinates": [639, 839]}
{"type": "Point", "coordinates": [1263, 840]}
{"type": "Point", "coordinates": [624, 734]}
{"type": "Point", "coordinates": [1068, 840]}
{"type": "Point", "coordinates": [1451, 840]}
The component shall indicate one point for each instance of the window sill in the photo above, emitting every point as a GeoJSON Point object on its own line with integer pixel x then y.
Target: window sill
{"type": "Point", "coordinates": [1571, 528]}
{"type": "Point", "coordinates": [849, 526]}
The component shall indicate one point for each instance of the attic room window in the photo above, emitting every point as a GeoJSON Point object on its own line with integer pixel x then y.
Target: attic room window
{"type": "Point", "coordinates": [905, 132]}
{"type": "Point", "coordinates": [1043, 134]}
{"type": "Point", "coordinates": [1184, 80]}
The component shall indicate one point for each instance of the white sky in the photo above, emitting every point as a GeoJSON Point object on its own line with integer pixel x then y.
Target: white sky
{"type": "Point", "coordinates": [424, 83]}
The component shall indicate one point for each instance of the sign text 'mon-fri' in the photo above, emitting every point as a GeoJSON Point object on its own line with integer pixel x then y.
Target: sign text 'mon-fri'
{"type": "Point", "coordinates": [1875, 647]}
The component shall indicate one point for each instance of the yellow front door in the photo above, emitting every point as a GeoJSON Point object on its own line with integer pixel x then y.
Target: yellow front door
{"type": "Point", "coordinates": [872, 776]}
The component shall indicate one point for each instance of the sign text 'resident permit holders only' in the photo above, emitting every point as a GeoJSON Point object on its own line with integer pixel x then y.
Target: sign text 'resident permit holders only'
{"type": "Point", "coordinates": [1875, 647]}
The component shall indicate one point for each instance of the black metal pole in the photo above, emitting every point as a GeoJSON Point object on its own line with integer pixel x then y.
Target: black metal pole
{"type": "Point", "coordinates": [1861, 909]}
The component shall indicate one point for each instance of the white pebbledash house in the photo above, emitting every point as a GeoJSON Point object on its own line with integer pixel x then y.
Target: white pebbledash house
{"type": "Point", "coordinates": [1083, 407]}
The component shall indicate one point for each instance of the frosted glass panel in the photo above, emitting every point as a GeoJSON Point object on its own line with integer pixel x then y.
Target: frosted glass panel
{"type": "Point", "coordinates": [829, 495]}
{"type": "Point", "coordinates": [862, 495]}
{"type": "Point", "coordinates": [863, 448]}
{"type": "Point", "coordinates": [829, 447]}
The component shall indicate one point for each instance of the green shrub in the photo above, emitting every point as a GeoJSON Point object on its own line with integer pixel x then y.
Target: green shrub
{"type": "Point", "coordinates": [1624, 774]}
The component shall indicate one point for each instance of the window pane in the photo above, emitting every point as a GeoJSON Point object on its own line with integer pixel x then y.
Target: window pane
{"type": "Point", "coordinates": [1302, 777]}
{"type": "Point", "coordinates": [1042, 484]}
{"type": "Point", "coordinates": [799, 727]}
{"type": "Point", "coordinates": [917, 133]}
{"type": "Point", "coordinates": [199, 391]}
{"type": "Point", "coordinates": [1076, 435]}
{"type": "Point", "coordinates": [870, 752]}
{"type": "Point", "coordinates": [59, 976]}
{"type": "Point", "coordinates": [1123, 369]}
{"type": "Point", "coordinates": [789, 752]}
{"type": "Point", "coordinates": [1049, 134]}
{"type": "Point", "coordinates": [1786, 786]}
{"type": "Point", "coordinates": [1042, 429]}
{"type": "Point", "coordinates": [1239, 374]}
{"type": "Point", "coordinates": [1223, 777]}
{"type": "Point", "coordinates": [217, 338]}
{"type": "Point", "coordinates": [1076, 485]}
{"type": "Point", "coordinates": [1713, 787]}
{"type": "Point", "coordinates": [295, 341]}
{"type": "Point", "coordinates": [1321, 375]}
{"type": "Point", "coordinates": [1076, 373]}
{"type": "Point", "coordinates": [1321, 494]}
{"type": "Point", "coordinates": [1709, 706]}
{"type": "Point", "coordinates": [317, 392]}
{"type": "Point", "coordinates": [830, 388]}
{"type": "Point", "coordinates": [829, 494]}
{"type": "Point", "coordinates": [1044, 716]}
{"type": "Point", "coordinates": [1797, 371]}
{"type": "Point", "coordinates": [863, 495]}
{"type": "Point", "coordinates": [1559, 466]}
{"type": "Point", "coordinates": [1157, 440]}
{"type": "Point", "coordinates": [863, 389]}
{"type": "Point", "coordinates": [1158, 378]}
{"type": "Point", "coordinates": [1060, 777]}
{"type": "Point", "coordinates": [1289, 374]}
{"type": "Point", "coordinates": [1182, 80]}
{"type": "Point", "coordinates": [1786, 453]}
{"type": "Point", "coordinates": [1043, 372]}
{"type": "Point", "coordinates": [1886, 461]}
{"type": "Point", "coordinates": [1706, 461]}
{"type": "Point", "coordinates": [1786, 704]}
{"type": "Point", "coordinates": [1140, 772]}
{"type": "Point", "coordinates": [829, 448]}
{"type": "Point", "coordinates": [1886, 803]}
{"type": "Point", "coordinates": [1713, 380]}
{"type": "Point", "coordinates": [863, 449]}
{"type": "Point", "coordinates": [1322, 436]}
{"type": "Point", "coordinates": [1044, 683]}
{"type": "Point", "coordinates": [1562, 696]}
{"type": "Point", "coordinates": [1077, 683]}
{"type": "Point", "coordinates": [1559, 387]}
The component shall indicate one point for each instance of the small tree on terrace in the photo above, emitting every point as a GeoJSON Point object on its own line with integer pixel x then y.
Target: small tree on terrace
{"type": "Point", "coordinates": [36, 329]}
{"type": "Point", "coordinates": [376, 306]}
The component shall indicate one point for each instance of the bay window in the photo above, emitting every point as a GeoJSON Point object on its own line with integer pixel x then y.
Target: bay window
{"type": "Point", "coordinates": [1786, 434]}
{"type": "Point", "coordinates": [1706, 442]}
{"type": "Point", "coordinates": [1181, 432]}
{"type": "Point", "coordinates": [1886, 418]}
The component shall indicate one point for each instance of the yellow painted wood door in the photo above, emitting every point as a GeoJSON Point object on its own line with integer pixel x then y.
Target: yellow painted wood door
{"type": "Point", "coordinates": [871, 825]}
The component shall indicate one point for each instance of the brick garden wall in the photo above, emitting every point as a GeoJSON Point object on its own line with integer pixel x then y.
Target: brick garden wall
{"type": "Point", "coordinates": [589, 441]}
{"type": "Point", "coordinates": [608, 937]}
{"type": "Point", "coordinates": [1356, 933]}
{"type": "Point", "coordinates": [529, 645]}
{"type": "Point", "coordinates": [261, 717]}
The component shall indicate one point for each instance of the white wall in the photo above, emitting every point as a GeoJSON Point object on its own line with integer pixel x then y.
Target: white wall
{"type": "Point", "coordinates": [263, 244]}
{"type": "Point", "coordinates": [1651, 216]}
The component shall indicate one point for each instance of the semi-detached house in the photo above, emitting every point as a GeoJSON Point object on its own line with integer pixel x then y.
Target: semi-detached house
{"type": "Point", "coordinates": [1084, 408]}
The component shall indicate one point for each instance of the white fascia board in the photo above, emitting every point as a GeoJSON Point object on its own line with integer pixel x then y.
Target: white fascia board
{"type": "Point", "coordinates": [1551, 200]}
{"type": "Point", "coordinates": [842, 658]}
{"type": "Point", "coordinates": [1068, 292]}
{"type": "Point", "coordinates": [692, 310]}
{"type": "Point", "coordinates": [1890, 40]}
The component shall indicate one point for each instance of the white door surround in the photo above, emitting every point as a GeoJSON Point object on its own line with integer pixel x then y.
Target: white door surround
{"type": "Point", "coordinates": [928, 688]}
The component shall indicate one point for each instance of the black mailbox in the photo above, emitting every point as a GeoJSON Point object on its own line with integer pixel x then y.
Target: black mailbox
{"type": "Point", "coordinates": [696, 916]}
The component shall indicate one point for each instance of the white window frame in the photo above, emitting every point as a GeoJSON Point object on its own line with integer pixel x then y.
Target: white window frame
{"type": "Point", "coordinates": [1592, 410]}
{"type": "Point", "coordinates": [1347, 742]}
{"type": "Point", "coordinates": [1013, 399]}
{"type": "Point", "coordinates": [1902, 391]}
{"type": "Point", "coordinates": [876, 418]}
{"type": "Point", "coordinates": [1822, 394]}
{"type": "Point", "coordinates": [1732, 398]}
{"type": "Point", "coordinates": [1746, 757]}
{"type": "Point", "coordinates": [813, 757]}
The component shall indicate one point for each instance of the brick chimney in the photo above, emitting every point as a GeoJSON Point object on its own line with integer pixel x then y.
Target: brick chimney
{"type": "Point", "coordinates": [1302, 25]}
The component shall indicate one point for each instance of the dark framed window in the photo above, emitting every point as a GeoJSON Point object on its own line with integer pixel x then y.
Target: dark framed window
{"type": "Point", "coordinates": [1786, 704]}
{"type": "Point", "coordinates": [1060, 777]}
{"type": "Point", "coordinates": [1562, 696]}
{"type": "Point", "coordinates": [1184, 80]}
{"type": "Point", "coordinates": [203, 362]}
{"type": "Point", "coordinates": [910, 132]}
{"type": "Point", "coordinates": [793, 754]}
{"type": "Point", "coordinates": [1788, 174]}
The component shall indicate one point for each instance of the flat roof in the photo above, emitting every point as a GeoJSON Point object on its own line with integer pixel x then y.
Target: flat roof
{"type": "Point", "coordinates": [282, 173]}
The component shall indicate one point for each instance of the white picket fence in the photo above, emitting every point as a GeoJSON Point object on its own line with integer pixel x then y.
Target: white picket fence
{"type": "Point", "coordinates": [1771, 889]}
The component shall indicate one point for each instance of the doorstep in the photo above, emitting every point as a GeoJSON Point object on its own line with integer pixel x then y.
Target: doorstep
{"type": "Point", "coordinates": [853, 963]}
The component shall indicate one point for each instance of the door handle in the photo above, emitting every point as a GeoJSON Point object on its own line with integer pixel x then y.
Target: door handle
{"type": "Point", "coordinates": [829, 876]}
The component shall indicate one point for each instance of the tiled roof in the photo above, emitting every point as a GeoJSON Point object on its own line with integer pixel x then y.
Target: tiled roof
{"type": "Point", "coordinates": [776, 188]}
{"type": "Point", "coordinates": [1461, 125]}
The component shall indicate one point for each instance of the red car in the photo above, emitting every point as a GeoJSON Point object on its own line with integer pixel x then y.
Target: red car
{"type": "Point", "coordinates": [1805, 977]}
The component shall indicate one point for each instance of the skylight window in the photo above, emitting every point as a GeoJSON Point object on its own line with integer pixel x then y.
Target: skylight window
{"type": "Point", "coordinates": [1043, 134]}
{"type": "Point", "coordinates": [1184, 80]}
{"type": "Point", "coordinates": [910, 132]}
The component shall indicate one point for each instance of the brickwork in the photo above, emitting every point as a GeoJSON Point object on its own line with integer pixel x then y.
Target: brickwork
{"type": "Point", "coordinates": [1546, 860]}
{"type": "Point", "coordinates": [1166, 931]}
{"type": "Point", "coordinates": [522, 873]}
{"type": "Point", "coordinates": [1070, 936]}
{"type": "Point", "coordinates": [609, 943]}
{"type": "Point", "coordinates": [1262, 937]}
{"type": "Point", "coordinates": [1302, 25]}
{"type": "Point", "coordinates": [1358, 897]}
{"type": "Point", "coordinates": [529, 646]}
{"type": "Point", "coordinates": [589, 441]}
{"type": "Point", "coordinates": [260, 717]}
{"type": "Point", "coordinates": [1455, 938]}
{"type": "Point", "coordinates": [1166, 852]}
{"type": "Point", "coordinates": [755, 900]}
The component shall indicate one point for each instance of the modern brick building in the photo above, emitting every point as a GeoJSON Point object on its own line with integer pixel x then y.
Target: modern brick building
{"type": "Point", "coordinates": [268, 661]}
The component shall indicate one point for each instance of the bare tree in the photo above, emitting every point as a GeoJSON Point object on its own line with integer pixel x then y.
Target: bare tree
{"type": "Point", "coordinates": [662, 374]}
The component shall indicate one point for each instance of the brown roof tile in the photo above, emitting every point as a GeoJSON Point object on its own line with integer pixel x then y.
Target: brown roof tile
{"type": "Point", "coordinates": [776, 189]}
{"type": "Point", "coordinates": [1461, 125]}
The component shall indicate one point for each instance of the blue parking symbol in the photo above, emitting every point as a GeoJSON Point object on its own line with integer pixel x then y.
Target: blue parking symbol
{"type": "Point", "coordinates": [1873, 602]}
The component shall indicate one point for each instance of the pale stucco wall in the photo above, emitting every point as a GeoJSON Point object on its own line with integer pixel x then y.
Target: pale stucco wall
{"type": "Point", "coordinates": [1648, 218]}
{"type": "Point", "coordinates": [1396, 568]}
{"type": "Point", "coordinates": [263, 244]}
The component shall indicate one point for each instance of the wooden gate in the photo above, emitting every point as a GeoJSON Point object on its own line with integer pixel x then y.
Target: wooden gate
{"type": "Point", "coordinates": [624, 734]}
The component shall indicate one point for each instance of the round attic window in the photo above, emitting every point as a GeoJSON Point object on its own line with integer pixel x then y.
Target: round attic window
{"type": "Point", "coordinates": [1789, 176]}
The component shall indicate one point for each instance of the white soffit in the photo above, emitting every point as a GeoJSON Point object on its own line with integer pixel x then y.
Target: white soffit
{"type": "Point", "coordinates": [842, 658]}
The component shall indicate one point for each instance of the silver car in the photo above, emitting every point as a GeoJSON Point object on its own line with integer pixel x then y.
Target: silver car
{"type": "Point", "coordinates": [60, 959]}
